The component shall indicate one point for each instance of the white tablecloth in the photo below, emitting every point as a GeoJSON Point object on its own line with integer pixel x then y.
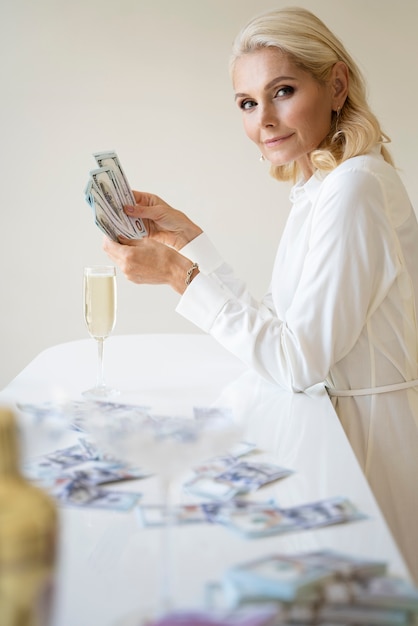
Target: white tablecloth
{"type": "Point", "coordinates": [108, 564]}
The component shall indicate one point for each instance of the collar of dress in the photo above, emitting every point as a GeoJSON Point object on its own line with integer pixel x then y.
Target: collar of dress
{"type": "Point", "coordinates": [311, 187]}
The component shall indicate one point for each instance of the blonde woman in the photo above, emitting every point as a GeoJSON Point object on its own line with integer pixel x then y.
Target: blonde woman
{"type": "Point", "coordinates": [342, 304]}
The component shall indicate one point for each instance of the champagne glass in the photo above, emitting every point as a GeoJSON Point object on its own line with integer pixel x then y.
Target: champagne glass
{"type": "Point", "coordinates": [99, 298]}
{"type": "Point", "coordinates": [165, 446]}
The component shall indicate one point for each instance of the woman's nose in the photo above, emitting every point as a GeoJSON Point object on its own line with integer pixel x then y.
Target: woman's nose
{"type": "Point", "coordinates": [268, 115]}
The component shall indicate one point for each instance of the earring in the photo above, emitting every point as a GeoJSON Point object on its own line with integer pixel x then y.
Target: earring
{"type": "Point", "coordinates": [337, 118]}
{"type": "Point", "coordinates": [262, 158]}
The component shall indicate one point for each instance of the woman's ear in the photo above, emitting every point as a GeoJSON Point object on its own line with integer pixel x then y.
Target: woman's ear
{"type": "Point", "coordinates": [339, 84]}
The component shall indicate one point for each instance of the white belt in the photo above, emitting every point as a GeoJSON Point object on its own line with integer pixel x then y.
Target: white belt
{"type": "Point", "coordinates": [372, 390]}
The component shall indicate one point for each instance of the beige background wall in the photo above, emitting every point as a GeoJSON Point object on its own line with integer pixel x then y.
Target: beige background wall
{"type": "Point", "coordinates": [149, 79]}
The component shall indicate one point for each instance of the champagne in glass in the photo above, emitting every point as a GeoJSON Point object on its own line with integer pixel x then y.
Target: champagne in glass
{"type": "Point", "coordinates": [100, 317]}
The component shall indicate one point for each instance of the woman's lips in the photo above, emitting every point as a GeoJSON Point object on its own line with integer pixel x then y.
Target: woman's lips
{"type": "Point", "coordinates": [275, 141]}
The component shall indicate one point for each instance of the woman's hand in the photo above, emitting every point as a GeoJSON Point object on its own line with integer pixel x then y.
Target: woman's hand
{"type": "Point", "coordinates": [163, 223]}
{"type": "Point", "coordinates": [146, 261]}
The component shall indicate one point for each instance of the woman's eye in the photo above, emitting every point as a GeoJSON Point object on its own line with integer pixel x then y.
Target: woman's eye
{"type": "Point", "coordinates": [247, 104]}
{"type": "Point", "coordinates": [284, 91]}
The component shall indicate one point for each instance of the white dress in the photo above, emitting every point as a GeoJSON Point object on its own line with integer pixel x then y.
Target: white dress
{"type": "Point", "coordinates": [341, 309]}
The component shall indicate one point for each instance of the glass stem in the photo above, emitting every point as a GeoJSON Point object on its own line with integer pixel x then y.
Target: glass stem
{"type": "Point", "coordinates": [100, 370]}
{"type": "Point", "coordinates": [166, 548]}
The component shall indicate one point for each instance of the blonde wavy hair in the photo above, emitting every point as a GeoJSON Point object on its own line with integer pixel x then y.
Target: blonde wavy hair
{"type": "Point", "coordinates": [302, 36]}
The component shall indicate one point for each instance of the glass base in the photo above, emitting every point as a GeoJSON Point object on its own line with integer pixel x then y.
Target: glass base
{"type": "Point", "coordinates": [100, 393]}
{"type": "Point", "coordinates": [144, 618]}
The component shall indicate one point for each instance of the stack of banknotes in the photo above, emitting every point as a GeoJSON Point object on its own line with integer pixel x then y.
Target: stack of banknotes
{"type": "Point", "coordinates": [107, 192]}
{"type": "Point", "coordinates": [323, 587]}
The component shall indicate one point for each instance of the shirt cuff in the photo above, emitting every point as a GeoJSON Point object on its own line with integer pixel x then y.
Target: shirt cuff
{"type": "Point", "coordinates": [202, 251]}
{"type": "Point", "coordinates": [202, 301]}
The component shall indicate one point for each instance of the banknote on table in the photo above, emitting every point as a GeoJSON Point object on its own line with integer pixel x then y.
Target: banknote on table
{"type": "Point", "coordinates": [107, 192]}
{"type": "Point", "coordinates": [273, 577]}
{"type": "Point", "coordinates": [86, 495]}
{"type": "Point", "coordinates": [77, 476]}
{"type": "Point", "coordinates": [270, 519]}
{"type": "Point", "coordinates": [323, 587]}
{"type": "Point", "coordinates": [347, 567]}
{"type": "Point", "coordinates": [234, 478]}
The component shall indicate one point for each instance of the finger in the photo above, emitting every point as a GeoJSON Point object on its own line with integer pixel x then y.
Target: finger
{"type": "Point", "coordinates": [125, 241]}
{"type": "Point", "coordinates": [130, 209]}
{"type": "Point", "coordinates": [112, 248]}
{"type": "Point", "coordinates": [141, 210]}
{"type": "Point", "coordinates": [145, 199]}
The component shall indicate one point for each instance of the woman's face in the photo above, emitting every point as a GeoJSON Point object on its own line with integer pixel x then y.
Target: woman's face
{"type": "Point", "coordinates": [286, 112]}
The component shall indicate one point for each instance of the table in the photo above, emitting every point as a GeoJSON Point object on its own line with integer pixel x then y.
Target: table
{"type": "Point", "coordinates": [108, 566]}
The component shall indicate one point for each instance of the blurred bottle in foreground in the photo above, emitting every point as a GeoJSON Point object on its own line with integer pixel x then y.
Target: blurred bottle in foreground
{"type": "Point", "coordinates": [28, 538]}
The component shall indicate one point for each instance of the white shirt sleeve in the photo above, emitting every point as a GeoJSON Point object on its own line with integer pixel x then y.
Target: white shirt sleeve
{"type": "Point", "coordinates": [202, 251]}
{"type": "Point", "coordinates": [347, 265]}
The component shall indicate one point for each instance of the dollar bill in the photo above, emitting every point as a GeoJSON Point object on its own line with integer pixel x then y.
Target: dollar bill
{"type": "Point", "coordinates": [111, 160]}
{"type": "Point", "coordinates": [107, 193]}
{"type": "Point", "coordinates": [103, 214]}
